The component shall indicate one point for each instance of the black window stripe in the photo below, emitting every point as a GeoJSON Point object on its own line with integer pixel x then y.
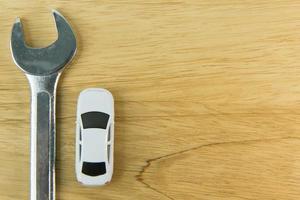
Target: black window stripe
{"type": "Point", "coordinates": [80, 152]}
{"type": "Point", "coordinates": [80, 134]}
{"type": "Point", "coordinates": [109, 132]}
{"type": "Point", "coordinates": [108, 152]}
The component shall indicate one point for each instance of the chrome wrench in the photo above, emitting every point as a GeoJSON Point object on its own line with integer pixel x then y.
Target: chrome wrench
{"type": "Point", "coordinates": [43, 67]}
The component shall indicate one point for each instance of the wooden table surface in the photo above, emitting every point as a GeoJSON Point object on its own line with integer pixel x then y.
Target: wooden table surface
{"type": "Point", "coordinates": [207, 97]}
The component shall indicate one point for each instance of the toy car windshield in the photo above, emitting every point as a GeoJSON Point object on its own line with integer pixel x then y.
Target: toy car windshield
{"type": "Point", "coordinates": [94, 169]}
{"type": "Point", "coordinates": [94, 120]}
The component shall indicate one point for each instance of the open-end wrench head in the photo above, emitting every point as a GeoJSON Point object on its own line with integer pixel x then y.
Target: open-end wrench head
{"type": "Point", "coordinates": [47, 60]}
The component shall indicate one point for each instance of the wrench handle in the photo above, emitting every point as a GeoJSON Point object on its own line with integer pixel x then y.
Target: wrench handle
{"type": "Point", "coordinates": [43, 136]}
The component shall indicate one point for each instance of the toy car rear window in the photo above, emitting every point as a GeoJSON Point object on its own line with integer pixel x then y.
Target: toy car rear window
{"type": "Point", "coordinates": [94, 120]}
{"type": "Point", "coordinates": [93, 169]}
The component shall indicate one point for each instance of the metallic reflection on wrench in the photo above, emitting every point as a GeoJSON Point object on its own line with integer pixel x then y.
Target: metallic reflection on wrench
{"type": "Point", "coordinates": [43, 67]}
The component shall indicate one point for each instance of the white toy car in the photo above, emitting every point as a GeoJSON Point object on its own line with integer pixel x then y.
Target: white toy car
{"type": "Point", "coordinates": [94, 137]}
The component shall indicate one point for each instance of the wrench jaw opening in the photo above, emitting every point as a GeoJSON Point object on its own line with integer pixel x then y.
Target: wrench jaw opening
{"type": "Point", "coordinates": [43, 67]}
{"type": "Point", "coordinates": [47, 60]}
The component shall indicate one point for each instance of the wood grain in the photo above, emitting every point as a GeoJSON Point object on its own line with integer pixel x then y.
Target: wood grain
{"type": "Point", "coordinates": [207, 97]}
